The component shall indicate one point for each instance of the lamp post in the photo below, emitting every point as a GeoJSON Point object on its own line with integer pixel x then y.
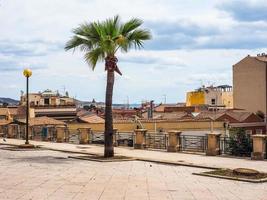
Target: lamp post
{"type": "Point", "coordinates": [27, 73]}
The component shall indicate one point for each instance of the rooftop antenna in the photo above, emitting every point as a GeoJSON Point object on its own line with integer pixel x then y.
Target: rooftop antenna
{"type": "Point", "coordinates": [64, 89]}
{"type": "Point", "coordinates": [165, 98]}
{"type": "Point", "coordinates": [128, 104]}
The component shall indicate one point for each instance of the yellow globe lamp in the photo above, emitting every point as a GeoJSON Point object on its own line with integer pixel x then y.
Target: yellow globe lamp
{"type": "Point", "coordinates": [27, 72]}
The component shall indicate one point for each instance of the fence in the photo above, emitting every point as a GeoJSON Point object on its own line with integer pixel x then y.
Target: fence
{"type": "Point", "coordinates": [121, 138]}
{"type": "Point", "coordinates": [192, 143]}
{"type": "Point", "coordinates": [156, 140]}
{"type": "Point", "coordinates": [236, 147]}
{"type": "Point", "coordinates": [125, 139]}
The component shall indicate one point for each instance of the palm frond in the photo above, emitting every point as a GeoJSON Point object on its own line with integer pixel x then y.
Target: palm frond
{"type": "Point", "coordinates": [129, 26]}
{"type": "Point", "coordinates": [101, 39]}
{"type": "Point", "coordinates": [77, 41]}
{"type": "Point", "coordinates": [137, 38]}
{"type": "Point", "coordinates": [93, 56]}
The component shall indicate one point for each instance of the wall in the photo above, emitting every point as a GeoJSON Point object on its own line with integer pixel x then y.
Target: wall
{"type": "Point", "coordinates": [227, 99]}
{"type": "Point", "coordinates": [213, 94]}
{"type": "Point", "coordinates": [166, 125]}
{"type": "Point", "coordinates": [195, 98]}
{"type": "Point", "coordinates": [249, 78]}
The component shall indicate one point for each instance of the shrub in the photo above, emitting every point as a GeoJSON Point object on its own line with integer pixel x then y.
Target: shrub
{"type": "Point", "coordinates": [240, 143]}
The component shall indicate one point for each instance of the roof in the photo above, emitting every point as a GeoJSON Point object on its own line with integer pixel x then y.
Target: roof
{"type": "Point", "coordinates": [41, 121]}
{"type": "Point", "coordinates": [240, 116]}
{"type": "Point", "coordinates": [13, 110]}
{"type": "Point", "coordinates": [236, 116]}
{"type": "Point", "coordinates": [123, 111]}
{"type": "Point", "coordinates": [261, 58]}
{"type": "Point", "coordinates": [83, 112]}
{"type": "Point", "coordinates": [92, 118]}
{"type": "Point", "coordinates": [170, 115]}
{"type": "Point", "coordinates": [4, 122]}
{"type": "Point", "coordinates": [4, 111]}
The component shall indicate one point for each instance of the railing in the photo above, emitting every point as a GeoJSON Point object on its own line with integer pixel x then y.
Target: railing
{"type": "Point", "coordinates": [156, 140]}
{"type": "Point", "coordinates": [96, 138]}
{"type": "Point", "coordinates": [225, 145]}
{"type": "Point", "coordinates": [236, 147]}
{"type": "Point", "coordinates": [122, 138]}
{"type": "Point", "coordinates": [125, 139]}
{"type": "Point", "coordinates": [193, 143]}
{"type": "Point", "coordinates": [41, 135]}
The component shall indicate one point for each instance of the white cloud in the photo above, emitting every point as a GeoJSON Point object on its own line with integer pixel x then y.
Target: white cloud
{"type": "Point", "coordinates": [34, 33]}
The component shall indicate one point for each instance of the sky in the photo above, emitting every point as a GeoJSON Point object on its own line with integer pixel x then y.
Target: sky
{"type": "Point", "coordinates": [195, 43]}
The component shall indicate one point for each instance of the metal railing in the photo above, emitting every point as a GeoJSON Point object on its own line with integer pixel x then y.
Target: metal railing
{"type": "Point", "coordinates": [156, 140]}
{"type": "Point", "coordinates": [236, 147]}
{"type": "Point", "coordinates": [96, 138]}
{"type": "Point", "coordinates": [194, 143]}
{"type": "Point", "coordinates": [125, 139]}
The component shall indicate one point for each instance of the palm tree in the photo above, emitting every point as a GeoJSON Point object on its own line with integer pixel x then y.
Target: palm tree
{"type": "Point", "coordinates": [101, 41]}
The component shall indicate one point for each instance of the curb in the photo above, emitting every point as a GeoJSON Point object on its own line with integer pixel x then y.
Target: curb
{"type": "Point", "coordinates": [165, 162]}
{"type": "Point", "coordinates": [233, 178]}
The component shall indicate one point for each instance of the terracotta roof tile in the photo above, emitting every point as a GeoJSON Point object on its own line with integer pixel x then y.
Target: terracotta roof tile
{"type": "Point", "coordinates": [93, 118]}
{"type": "Point", "coordinates": [40, 121]}
{"type": "Point", "coordinates": [4, 111]}
{"type": "Point", "coordinates": [4, 122]}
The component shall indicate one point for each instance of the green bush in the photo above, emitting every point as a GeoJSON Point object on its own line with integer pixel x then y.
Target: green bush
{"type": "Point", "coordinates": [240, 143]}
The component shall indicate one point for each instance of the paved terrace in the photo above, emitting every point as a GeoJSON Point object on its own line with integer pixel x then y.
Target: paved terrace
{"type": "Point", "coordinates": [181, 158]}
{"type": "Point", "coordinates": [45, 174]}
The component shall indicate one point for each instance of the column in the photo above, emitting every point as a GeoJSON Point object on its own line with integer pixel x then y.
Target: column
{"type": "Point", "coordinates": [10, 131]}
{"type": "Point", "coordinates": [140, 135]}
{"type": "Point", "coordinates": [174, 142]}
{"type": "Point", "coordinates": [84, 135]}
{"type": "Point", "coordinates": [213, 144]}
{"type": "Point", "coordinates": [115, 143]}
{"type": "Point", "coordinates": [259, 147]}
{"type": "Point", "coordinates": [60, 133]}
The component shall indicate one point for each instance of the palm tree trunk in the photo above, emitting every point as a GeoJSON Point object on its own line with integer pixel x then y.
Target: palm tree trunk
{"type": "Point", "coordinates": [109, 150]}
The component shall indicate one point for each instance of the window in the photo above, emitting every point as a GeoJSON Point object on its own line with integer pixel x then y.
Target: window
{"type": "Point", "coordinates": [259, 131]}
{"type": "Point", "coordinates": [213, 101]}
{"type": "Point", "coordinates": [46, 101]}
{"type": "Point", "coordinates": [249, 132]}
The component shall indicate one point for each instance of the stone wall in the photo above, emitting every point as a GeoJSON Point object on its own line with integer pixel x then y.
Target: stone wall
{"type": "Point", "coordinates": [152, 125]}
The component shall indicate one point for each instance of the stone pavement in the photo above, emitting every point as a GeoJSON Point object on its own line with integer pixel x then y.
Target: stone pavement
{"type": "Point", "coordinates": [183, 158]}
{"type": "Point", "coordinates": [48, 174]}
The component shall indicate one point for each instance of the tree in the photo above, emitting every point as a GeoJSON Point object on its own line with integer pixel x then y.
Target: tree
{"type": "Point", "coordinates": [101, 41]}
{"type": "Point", "coordinates": [240, 143]}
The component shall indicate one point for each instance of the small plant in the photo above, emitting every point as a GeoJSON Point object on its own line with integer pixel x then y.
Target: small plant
{"type": "Point", "coordinates": [240, 143]}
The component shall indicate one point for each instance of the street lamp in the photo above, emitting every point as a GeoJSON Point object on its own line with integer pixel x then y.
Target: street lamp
{"type": "Point", "coordinates": [27, 73]}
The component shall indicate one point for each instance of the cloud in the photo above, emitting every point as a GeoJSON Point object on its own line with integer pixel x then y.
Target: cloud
{"type": "Point", "coordinates": [244, 10]}
{"type": "Point", "coordinates": [10, 65]}
{"type": "Point", "coordinates": [28, 48]}
{"type": "Point", "coordinates": [194, 43]}
{"type": "Point", "coordinates": [153, 58]}
{"type": "Point", "coordinates": [185, 34]}
{"type": "Point", "coordinates": [176, 34]}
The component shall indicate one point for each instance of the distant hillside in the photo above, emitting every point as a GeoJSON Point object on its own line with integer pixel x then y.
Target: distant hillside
{"type": "Point", "coordinates": [9, 101]}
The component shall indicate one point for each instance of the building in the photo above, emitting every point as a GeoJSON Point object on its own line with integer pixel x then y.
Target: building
{"type": "Point", "coordinates": [252, 123]}
{"type": "Point", "coordinates": [250, 83]}
{"type": "Point", "coordinates": [51, 104]}
{"type": "Point", "coordinates": [47, 98]}
{"type": "Point", "coordinates": [219, 97]}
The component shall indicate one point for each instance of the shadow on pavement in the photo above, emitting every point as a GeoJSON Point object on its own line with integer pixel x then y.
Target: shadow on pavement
{"type": "Point", "coordinates": [41, 159]}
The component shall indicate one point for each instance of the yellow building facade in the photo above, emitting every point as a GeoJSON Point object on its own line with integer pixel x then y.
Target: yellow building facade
{"type": "Point", "coordinates": [213, 96]}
